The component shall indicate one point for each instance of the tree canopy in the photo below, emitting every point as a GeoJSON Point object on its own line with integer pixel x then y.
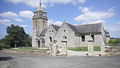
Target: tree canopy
{"type": "Point", "coordinates": [16, 37]}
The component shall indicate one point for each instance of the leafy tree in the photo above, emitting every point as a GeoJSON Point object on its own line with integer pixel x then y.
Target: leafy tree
{"type": "Point", "coordinates": [114, 42]}
{"type": "Point", "coordinates": [17, 37]}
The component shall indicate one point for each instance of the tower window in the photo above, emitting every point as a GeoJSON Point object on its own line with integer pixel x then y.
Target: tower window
{"type": "Point", "coordinates": [43, 24]}
{"type": "Point", "coordinates": [52, 30]}
{"type": "Point", "coordinates": [50, 39]}
{"type": "Point", "coordinates": [83, 38]}
{"type": "Point", "coordinates": [36, 23]}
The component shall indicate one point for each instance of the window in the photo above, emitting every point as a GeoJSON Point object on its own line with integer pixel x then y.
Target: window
{"type": "Point", "coordinates": [50, 39]}
{"type": "Point", "coordinates": [43, 24]}
{"type": "Point", "coordinates": [36, 23]}
{"type": "Point", "coordinates": [64, 30]}
{"type": "Point", "coordinates": [92, 37]}
{"type": "Point", "coordinates": [52, 30]}
{"type": "Point", "coordinates": [83, 38]}
{"type": "Point", "coordinates": [64, 37]}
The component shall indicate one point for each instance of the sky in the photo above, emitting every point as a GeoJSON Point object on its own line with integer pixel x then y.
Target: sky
{"type": "Point", "coordinates": [76, 12]}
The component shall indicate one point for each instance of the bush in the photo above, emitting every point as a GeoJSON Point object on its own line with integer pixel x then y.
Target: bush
{"type": "Point", "coordinates": [114, 42]}
{"type": "Point", "coordinates": [3, 46]}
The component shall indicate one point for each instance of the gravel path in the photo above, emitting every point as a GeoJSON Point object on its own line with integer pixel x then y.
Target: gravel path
{"type": "Point", "coordinates": [29, 61]}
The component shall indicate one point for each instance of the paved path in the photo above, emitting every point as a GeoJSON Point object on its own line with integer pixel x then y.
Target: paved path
{"type": "Point", "coordinates": [28, 61]}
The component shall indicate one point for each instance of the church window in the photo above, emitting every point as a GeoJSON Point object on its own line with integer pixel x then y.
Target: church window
{"type": "Point", "coordinates": [83, 38]}
{"type": "Point", "coordinates": [64, 37]}
{"type": "Point", "coordinates": [92, 37]}
{"type": "Point", "coordinates": [52, 30]}
{"type": "Point", "coordinates": [43, 24]}
{"type": "Point", "coordinates": [50, 39]}
{"type": "Point", "coordinates": [35, 23]}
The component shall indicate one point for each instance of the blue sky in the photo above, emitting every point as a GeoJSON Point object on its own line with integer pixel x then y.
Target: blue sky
{"type": "Point", "coordinates": [76, 12]}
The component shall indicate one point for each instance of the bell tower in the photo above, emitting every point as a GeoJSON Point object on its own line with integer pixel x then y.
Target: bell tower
{"type": "Point", "coordinates": [39, 23]}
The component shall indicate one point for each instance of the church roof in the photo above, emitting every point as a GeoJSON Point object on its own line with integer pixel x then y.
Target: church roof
{"type": "Point", "coordinates": [72, 27]}
{"type": "Point", "coordinates": [55, 27]}
{"type": "Point", "coordinates": [89, 28]}
{"type": "Point", "coordinates": [43, 32]}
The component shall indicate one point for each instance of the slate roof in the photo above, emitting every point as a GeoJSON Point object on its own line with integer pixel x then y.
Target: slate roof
{"type": "Point", "coordinates": [72, 27]}
{"type": "Point", "coordinates": [55, 27]}
{"type": "Point", "coordinates": [89, 28]}
{"type": "Point", "coordinates": [43, 32]}
{"type": "Point", "coordinates": [107, 33]}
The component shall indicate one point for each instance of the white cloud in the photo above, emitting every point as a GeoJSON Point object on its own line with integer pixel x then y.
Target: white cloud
{"type": "Point", "coordinates": [55, 22]}
{"type": "Point", "coordinates": [24, 26]}
{"type": "Point", "coordinates": [96, 15]}
{"type": "Point", "coordinates": [18, 20]}
{"type": "Point", "coordinates": [118, 22]}
{"type": "Point", "coordinates": [8, 14]}
{"type": "Point", "coordinates": [92, 22]}
{"type": "Point", "coordinates": [35, 3]}
{"type": "Point", "coordinates": [82, 1]}
{"type": "Point", "coordinates": [26, 14]}
{"type": "Point", "coordinates": [84, 9]}
{"type": "Point", "coordinates": [5, 21]}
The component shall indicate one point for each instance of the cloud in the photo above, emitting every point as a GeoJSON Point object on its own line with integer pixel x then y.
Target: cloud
{"type": "Point", "coordinates": [90, 15]}
{"type": "Point", "coordinates": [55, 22]}
{"type": "Point", "coordinates": [26, 14]}
{"type": "Point", "coordinates": [92, 22]}
{"type": "Point", "coordinates": [18, 20]}
{"type": "Point", "coordinates": [24, 26]}
{"type": "Point", "coordinates": [35, 3]}
{"type": "Point", "coordinates": [8, 14]}
{"type": "Point", "coordinates": [85, 9]}
{"type": "Point", "coordinates": [118, 22]}
{"type": "Point", "coordinates": [5, 21]}
{"type": "Point", "coordinates": [114, 30]}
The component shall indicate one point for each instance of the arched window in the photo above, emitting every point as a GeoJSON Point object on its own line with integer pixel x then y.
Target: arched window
{"type": "Point", "coordinates": [35, 23]}
{"type": "Point", "coordinates": [43, 24]}
{"type": "Point", "coordinates": [50, 39]}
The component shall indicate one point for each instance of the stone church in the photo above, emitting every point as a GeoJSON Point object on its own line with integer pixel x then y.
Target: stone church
{"type": "Point", "coordinates": [66, 34]}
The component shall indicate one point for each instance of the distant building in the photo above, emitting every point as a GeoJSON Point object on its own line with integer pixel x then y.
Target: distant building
{"type": "Point", "coordinates": [73, 36]}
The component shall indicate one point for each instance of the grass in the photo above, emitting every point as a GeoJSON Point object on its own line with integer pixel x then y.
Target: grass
{"type": "Point", "coordinates": [29, 48]}
{"type": "Point", "coordinates": [97, 48]}
{"type": "Point", "coordinates": [83, 48]}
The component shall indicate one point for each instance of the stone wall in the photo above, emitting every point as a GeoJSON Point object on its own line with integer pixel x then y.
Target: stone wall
{"type": "Point", "coordinates": [112, 50]}
{"type": "Point", "coordinates": [28, 52]}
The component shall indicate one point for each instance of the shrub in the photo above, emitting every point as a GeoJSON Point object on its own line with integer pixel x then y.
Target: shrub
{"type": "Point", "coordinates": [97, 48]}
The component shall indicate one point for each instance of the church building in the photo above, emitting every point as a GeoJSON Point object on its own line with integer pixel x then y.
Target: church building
{"type": "Point", "coordinates": [66, 34]}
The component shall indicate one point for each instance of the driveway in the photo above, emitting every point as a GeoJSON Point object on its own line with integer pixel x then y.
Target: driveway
{"type": "Point", "coordinates": [29, 61]}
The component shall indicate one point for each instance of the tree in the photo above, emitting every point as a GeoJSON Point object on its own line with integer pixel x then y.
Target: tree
{"type": "Point", "coordinates": [17, 37]}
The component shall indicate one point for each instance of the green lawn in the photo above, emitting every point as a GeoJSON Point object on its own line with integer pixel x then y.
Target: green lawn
{"type": "Point", "coordinates": [83, 48]}
{"type": "Point", "coordinates": [97, 48]}
{"type": "Point", "coordinates": [30, 48]}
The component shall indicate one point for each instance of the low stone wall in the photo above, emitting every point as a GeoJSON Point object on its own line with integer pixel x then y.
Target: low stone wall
{"type": "Point", "coordinates": [112, 50]}
{"type": "Point", "coordinates": [28, 52]}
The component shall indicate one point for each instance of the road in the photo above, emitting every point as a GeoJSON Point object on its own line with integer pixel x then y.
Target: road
{"type": "Point", "coordinates": [28, 61]}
